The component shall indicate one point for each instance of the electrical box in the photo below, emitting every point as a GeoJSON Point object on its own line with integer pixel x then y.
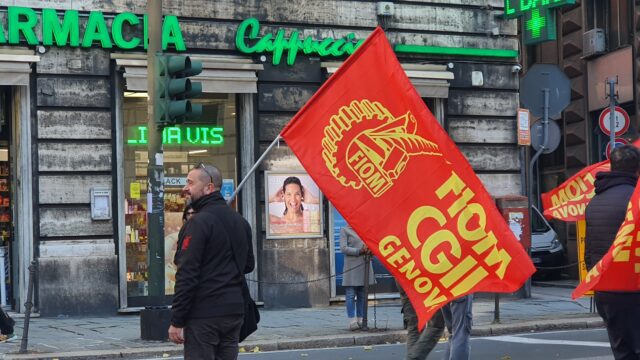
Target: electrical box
{"type": "Point", "coordinates": [384, 8]}
{"type": "Point", "coordinates": [100, 203]}
{"type": "Point", "coordinates": [593, 42]}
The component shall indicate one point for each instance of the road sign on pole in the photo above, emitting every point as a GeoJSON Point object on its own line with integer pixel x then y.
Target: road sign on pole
{"type": "Point", "coordinates": [545, 76]}
{"type": "Point", "coordinates": [619, 142]}
{"type": "Point", "coordinates": [621, 119]}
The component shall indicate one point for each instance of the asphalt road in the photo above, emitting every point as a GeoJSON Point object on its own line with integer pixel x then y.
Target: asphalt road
{"type": "Point", "coordinates": [566, 345]}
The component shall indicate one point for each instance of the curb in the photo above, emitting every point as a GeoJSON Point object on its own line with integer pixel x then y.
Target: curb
{"type": "Point", "coordinates": [328, 341]}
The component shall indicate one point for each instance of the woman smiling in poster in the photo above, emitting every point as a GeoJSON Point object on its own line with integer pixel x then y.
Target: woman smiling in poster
{"type": "Point", "coordinates": [294, 205]}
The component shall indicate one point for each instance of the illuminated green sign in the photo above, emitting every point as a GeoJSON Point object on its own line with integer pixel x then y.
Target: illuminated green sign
{"type": "Point", "coordinates": [183, 135]}
{"type": "Point", "coordinates": [247, 41]}
{"type": "Point", "coordinates": [23, 22]}
{"type": "Point", "coordinates": [539, 18]}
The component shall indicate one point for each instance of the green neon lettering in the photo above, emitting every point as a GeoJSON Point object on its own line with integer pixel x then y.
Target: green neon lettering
{"type": "Point", "coordinates": [116, 30]}
{"type": "Point", "coordinates": [173, 135]}
{"type": "Point", "coordinates": [182, 135]}
{"type": "Point", "coordinates": [22, 20]}
{"type": "Point", "coordinates": [171, 33]}
{"type": "Point", "coordinates": [145, 32]}
{"type": "Point", "coordinates": [216, 134]}
{"type": "Point", "coordinates": [96, 30]}
{"type": "Point", "coordinates": [254, 26]}
{"type": "Point", "coordinates": [508, 10]}
{"type": "Point", "coordinates": [525, 5]}
{"type": "Point", "coordinates": [249, 29]}
{"type": "Point", "coordinates": [190, 138]}
{"type": "Point", "coordinates": [67, 32]}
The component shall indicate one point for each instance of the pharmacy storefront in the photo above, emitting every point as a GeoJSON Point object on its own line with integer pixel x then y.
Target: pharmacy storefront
{"type": "Point", "coordinates": [74, 136]}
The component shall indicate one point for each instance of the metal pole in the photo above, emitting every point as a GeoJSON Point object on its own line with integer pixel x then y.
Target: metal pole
{"type": "Point", "coordinates": [27, 307]}
{"type": "Point", "coordinates": [496, 309]}
{"type": "Point", "coordinates": [545, 136]}
{"type": "Point", "coordinates": [365, 308]}
{"type": "Point", "coordinates": [253, 168]}
{"type": "Point", "coordinates": [155, 169]}
{"type": "Point", "coordinates": [612, 114]}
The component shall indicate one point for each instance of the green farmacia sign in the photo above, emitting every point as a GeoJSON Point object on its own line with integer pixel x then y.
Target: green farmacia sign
{"type": "Point", "coordinates": [64, 29]}
{"type": "Point", "coordinates": [248, 42]}
{"type": "Point", "coordinates": [539, 18]}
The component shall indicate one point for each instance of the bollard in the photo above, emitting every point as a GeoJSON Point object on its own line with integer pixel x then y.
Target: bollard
{"type": "Point", "coordinates": [496, 309]}
{"type": "Point", "coordinates": [365, 309]}
{"type": "Point", "coordinates": [28, 305]}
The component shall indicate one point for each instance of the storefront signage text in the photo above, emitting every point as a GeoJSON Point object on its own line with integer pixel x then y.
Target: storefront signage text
{"type": "Point", "coordinates": [539, 23]}
{"type": "Point", "coordinates": [184, 135]}
{"type": "Point", "coordinates": [247, 41]}
{"type": "Point", "coordinates": [65, 31]}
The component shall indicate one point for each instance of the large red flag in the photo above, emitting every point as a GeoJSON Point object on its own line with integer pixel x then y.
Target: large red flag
{"type": "Point", "coordinates": [376, 151]}
{"type": "Point", "coordinates": [568, 201]}
{"type": "Point", "coordinates": [619, 269]}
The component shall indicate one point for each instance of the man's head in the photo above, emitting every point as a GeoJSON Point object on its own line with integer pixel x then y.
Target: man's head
{"type": "Point", "coordinates": [202, 180]}
{"type": "Point", "coordinates": [625, 158]}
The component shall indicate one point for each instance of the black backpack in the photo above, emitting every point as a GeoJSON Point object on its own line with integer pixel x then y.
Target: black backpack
{"type": "Point", "coordinates": [6, 323]}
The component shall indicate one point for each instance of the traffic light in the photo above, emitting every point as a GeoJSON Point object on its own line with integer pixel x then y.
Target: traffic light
{"type": "Point", "coordinates": [174, 89]}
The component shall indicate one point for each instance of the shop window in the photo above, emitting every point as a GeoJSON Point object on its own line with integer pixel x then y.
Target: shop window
{"type": "Point", "coordinates": [211, 140]}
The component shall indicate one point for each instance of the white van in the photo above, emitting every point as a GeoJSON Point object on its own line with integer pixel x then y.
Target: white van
{"type": "Point", "coordinates": [547, 251]}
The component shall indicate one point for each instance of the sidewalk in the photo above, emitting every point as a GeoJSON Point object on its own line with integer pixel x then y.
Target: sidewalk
{"type": "Point", "coordinates": [549, 308]}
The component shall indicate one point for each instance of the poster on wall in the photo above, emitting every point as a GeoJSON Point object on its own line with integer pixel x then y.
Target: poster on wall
{"type": "Point", "coordinates": [293, 205]}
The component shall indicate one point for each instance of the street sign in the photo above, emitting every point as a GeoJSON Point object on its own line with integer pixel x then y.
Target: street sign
{"type": "Point", "coordinates": [524, 129]}
{"type": "Point", "coordinates": [619, 142]}
{"type": "Point", "coordinates": [540, 77]}
{"type": "Point", "coordinates": [621, 119]}
{"type": "Point", "coordinates": [537, 136]}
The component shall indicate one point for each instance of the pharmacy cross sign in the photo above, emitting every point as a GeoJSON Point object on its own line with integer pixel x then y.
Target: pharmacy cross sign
{"type": "Point", "coordinates": [539, 22]}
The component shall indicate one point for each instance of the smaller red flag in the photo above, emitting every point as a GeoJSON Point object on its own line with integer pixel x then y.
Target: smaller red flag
{"type": "Point", "coordinates": [619, 269]}
{"type": "Point", "coordinates": [568, 201]}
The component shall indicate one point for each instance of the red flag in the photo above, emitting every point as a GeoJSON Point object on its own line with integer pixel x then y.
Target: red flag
{"type": "Point", "coordinates": [619, 269]}
{"type": "Point", "coordinates": [376, 151]}
{"type": "Point", "coordinates": [568, 201]}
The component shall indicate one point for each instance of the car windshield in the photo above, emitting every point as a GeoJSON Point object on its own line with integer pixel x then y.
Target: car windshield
{"type": "Point", "coordinates": [538, 223]}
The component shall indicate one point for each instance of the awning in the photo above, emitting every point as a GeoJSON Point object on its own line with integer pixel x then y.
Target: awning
{"type": "Point", "coordinates": [431, 81]}
{"type": "Point", "coordinates": [15, 66]}
{"type": "Point", "coordinates": [220, 74]}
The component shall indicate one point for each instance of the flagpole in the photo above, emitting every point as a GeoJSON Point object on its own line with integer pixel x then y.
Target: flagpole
{"type": "Point", "coordinates": [253, 168]}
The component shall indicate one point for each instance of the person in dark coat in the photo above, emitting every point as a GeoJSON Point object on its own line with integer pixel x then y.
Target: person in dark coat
{"type": "Point", "coordinates": [604, 215]}
{"type": "Point", "coordinates": [214, 251]}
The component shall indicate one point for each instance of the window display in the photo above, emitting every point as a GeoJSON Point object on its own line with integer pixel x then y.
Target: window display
{"type": "Point", "coordinates": [210, 140]}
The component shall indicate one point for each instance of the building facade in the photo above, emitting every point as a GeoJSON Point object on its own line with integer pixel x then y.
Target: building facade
{"type": "Point", "coordinates": [73, 154]}
{"type": "Point", "coordinates": [596, 41]}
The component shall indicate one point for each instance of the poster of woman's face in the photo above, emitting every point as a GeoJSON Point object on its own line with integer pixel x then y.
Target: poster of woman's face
{"type": "Point", "coordinates": [294, 205]}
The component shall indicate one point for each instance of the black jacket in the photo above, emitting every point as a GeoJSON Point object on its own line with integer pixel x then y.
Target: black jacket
{"type": "Point", "coordinates": [605, 212]}
{"type": "Point", "coordinates": [208, 283]}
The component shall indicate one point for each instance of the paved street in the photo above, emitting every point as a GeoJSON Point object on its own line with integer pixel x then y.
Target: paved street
{"type": "Point", "coordinates": [561, 345]}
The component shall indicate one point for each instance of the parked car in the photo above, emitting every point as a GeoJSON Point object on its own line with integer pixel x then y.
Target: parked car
{"type": "Point", "coordinates": [547, 251]}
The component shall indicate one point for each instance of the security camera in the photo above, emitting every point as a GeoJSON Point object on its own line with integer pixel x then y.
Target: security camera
{"type": "Point", "coordinates": [516, 68]}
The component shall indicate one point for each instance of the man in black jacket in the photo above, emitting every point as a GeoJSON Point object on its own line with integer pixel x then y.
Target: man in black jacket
{"type": "Point", "coordinates": [604, 215]}
{"type": "Point", "coordinates": [214, 251]}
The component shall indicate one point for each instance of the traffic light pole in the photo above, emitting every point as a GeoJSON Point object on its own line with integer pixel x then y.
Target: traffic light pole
{"type": "Point", "coordinates": [155, 169]}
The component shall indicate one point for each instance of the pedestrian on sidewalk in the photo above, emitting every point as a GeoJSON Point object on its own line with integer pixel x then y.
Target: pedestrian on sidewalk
{"type": "Point", "coordinates": [208, 305]}
{"type": "Point", "coordinates": [458, 316]}
{"type": "Point", "coordinates": [355, 252]}
{"type": "Point", "coordinates": [419, 344]}
{"type": "Point", "coordinates": [604, 214]}
{"type": "Point", "coordinates": [6, 326]}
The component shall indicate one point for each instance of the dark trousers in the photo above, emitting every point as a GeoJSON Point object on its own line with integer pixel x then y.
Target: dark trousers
{"type": "Point", "coordinates": [213, 338]}
{"type": "Point", "coordinates": [420, 344]}
{"type": "Point", "coordinates": [6, 323]}
{"type": "Point", "coordinates": [621, 315]}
